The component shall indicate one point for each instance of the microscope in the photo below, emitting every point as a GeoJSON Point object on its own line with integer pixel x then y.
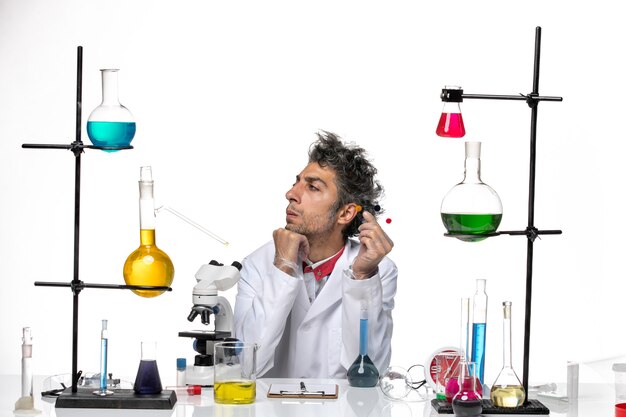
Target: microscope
{"type": "Point", "coordinates": [211, 277]}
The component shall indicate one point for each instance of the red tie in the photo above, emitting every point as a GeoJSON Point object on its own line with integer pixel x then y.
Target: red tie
{"type": "Point", "coordinates": [326, 268]}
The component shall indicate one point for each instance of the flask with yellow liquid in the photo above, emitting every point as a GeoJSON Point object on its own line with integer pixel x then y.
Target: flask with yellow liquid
{"type": "Point", "coordinates": [148, 265]}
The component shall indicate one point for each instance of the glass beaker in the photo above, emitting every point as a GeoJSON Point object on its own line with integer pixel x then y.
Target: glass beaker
{"type": "Point", "coordinates": [110, 124]}
{"type": "Point", "coordinates": [467, 402]}
{"type": "Point", "coordinates": [234, 372]}
{"type": "Point", "coordinates": [471, 208]}
{"type": "Point", "coordinates": [507, 391]}
{"type": "Point", "coordinates": [148, 380]}
{"type": "Point", "coordinates": [451, 120]}
{"type": "Point", "coordinates": [363, 372]}
{"type": "Point", "coordinates": [148, 265]}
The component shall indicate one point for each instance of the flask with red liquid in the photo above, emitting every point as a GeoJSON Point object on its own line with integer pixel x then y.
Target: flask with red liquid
{"type": "Point", "coordinates": [451, 121]}
{"type": "Point", "coordinates": [467, 402]}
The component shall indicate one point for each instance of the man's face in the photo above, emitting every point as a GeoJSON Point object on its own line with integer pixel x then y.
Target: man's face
{"type": "Point", "coordinates": [311, 202]}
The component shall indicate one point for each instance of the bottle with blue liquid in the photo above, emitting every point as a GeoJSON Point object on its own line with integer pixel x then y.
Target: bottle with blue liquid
{"type": "Point", "coordinates": [363, 372]}
{"type": "Point", "coordinates": [110, 124]}
{"type": "Point", "coordinates": [479, 329]}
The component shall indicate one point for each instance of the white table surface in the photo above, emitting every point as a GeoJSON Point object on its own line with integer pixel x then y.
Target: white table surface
{"type": "Point", "coordinates": [595, 400]}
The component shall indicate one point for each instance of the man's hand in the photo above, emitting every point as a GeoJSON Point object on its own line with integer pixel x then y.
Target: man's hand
{"type": "Point", "coordinates": [290, 246]}
{"type": "Point", "coordinates": [375, 244]}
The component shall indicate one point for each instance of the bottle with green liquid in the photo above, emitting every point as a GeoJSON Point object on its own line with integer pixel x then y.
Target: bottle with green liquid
{"type": "Point", "coordinates": [471, 208]}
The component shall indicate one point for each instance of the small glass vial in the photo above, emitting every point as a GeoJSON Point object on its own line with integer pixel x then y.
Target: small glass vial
{"type": "Point", "coordinates": [363, 372]}
{"type": "Point", "coordinates": [148, 265]}
{"type": "Point", "coordinates": [507, 391]}
{"type": "Point", "coordinates": [110, 124]}
{"type": "Point", "coordinates": [471, 208]}
{"type": "Point", "coordinates": [181, 372]}
{"type": "Point", "coordinates": [451, 121]}
{"type": "Point", "coordinates": [467, 402]}
{"type": "Point", "coordinates": [148, 380]}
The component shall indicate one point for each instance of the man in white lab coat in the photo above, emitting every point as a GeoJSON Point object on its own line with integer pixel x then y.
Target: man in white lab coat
{"type": "Point", "coordinates": [300, 295]}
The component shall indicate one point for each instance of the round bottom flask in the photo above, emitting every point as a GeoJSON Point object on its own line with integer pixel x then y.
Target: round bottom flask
{"type": "Point", "coordinates": [110, 124]}
{"type": "Point", "coordinates": [471, 208]}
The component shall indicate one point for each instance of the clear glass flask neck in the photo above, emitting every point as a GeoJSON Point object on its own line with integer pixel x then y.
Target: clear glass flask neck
{"type": "Point", "coordinates": [472, 163]}
{"type": "Point", "coordinates": [506, 336]}
{"type": "Point", "coordinates": [110, 92]}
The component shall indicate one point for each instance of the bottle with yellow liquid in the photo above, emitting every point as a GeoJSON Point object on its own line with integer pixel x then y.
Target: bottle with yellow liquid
{"type": "Point", "coordinates": [234, 372]}
{"type": "Point", "coordinates": [507, 391]}
{"type": "Point", "coordinates": [148, 265]}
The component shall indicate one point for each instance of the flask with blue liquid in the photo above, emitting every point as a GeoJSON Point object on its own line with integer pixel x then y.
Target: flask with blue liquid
{"type": "Point", "coordinates": [363, 372]}
{"type": "Point", "coordinates": [110, 124]}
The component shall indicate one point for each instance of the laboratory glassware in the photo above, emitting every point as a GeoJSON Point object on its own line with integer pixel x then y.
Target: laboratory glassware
{"type": "Point", "coordinates": [452, 378]}
{"type": "Point", "coordinates": [148, 380]}
{"type": "Point", "coordinates": [234, 372]}
{"type": "Point", "coordinates": [104, 349]}
{"type": "Point", "coordinates": [110, 124]}
{"type": "Point", "coordinates": [181, 372]}
{"type": "Point", "coordinates": [148, 265]}
{"type": "Point", "coordinates": [451, 120]}
{"type": "Point", "coordinates": [471, 208]}
{"type": "Point", "coordinates": [467, 402]}
{"type": "Point", "coordinates": [479, 328]}
{"type": "Point", "coordinates": [507, 391]}
{"type": "Point", "coordinates": [363, 372]}
{"type": "Point", "coordinates": [25, 405]}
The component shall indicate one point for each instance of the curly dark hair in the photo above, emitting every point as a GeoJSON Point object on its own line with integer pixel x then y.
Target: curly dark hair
{"type": "Point", "coordinates": [354, 176]}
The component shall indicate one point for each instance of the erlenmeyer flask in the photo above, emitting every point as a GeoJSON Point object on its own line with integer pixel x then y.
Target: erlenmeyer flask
{"type": "Point", "coordinates": [110, 124]}
{"type": "Point", "coordinates": [507, 391]}
{"type": "Point", "coordinates": [451, 120]}
{"type": "Point", "coordinates": [467, 402]}
{"type": "Point", "coordinates": [471, 208]}
{"type": "Point", "coordinates": [363, 372]}
{"type": "Point", "coordinates": [148, 265]}
{"type": "Point", "coordinates": [148, 380]}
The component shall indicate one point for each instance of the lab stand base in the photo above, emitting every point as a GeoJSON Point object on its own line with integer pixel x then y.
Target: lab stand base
{"type": "Point", "coordinates": [533, 407]}
{"type": "Point", "coordinates": [121, 399]}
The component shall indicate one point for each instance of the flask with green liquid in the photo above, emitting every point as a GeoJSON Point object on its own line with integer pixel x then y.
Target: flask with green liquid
{"type": "Point", "coordinates": [471, 208]}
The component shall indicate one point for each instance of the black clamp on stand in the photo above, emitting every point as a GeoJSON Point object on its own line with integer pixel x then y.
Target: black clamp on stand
{"type": "Point", "coordinates": [73, 398]}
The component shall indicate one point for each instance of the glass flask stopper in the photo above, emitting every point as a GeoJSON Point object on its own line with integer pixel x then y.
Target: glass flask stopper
{"type": "Point", "coordinates": [507, 391]}
{"type": "Point", "coordinates": [148, 380]}
{"type": "Point", "coordinates": [363, 372]}
{"type": "Point", "coordinates": [467, 402]}
{"type": "Point", "coordinates": [471, 208]}
{"type": "Point", "coordinates": [110, 124]}
{"type": "Point", "coordinates": [451, 121]}
{"type": "Point", "coordinates": [148, 265]}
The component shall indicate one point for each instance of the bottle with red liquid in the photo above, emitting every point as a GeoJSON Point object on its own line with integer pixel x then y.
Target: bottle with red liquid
{"type": "Point", "coordinates": [467, 402]}
{"type": "Point", "coordinates": [451, 121]}
{"type": "Point", "coordinates": [148, 380]}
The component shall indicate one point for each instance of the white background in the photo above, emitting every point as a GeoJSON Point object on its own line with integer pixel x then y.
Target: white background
{"type": "Point", "coordinates": [227, 96]}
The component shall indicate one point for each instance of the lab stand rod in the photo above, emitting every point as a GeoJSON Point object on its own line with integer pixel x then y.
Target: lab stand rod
{"type": "Point", "coordinates": [77, 147]}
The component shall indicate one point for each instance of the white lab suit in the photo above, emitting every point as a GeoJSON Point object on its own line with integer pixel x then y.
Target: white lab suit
{"type": "Point", "coordinates": [300, 339]}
